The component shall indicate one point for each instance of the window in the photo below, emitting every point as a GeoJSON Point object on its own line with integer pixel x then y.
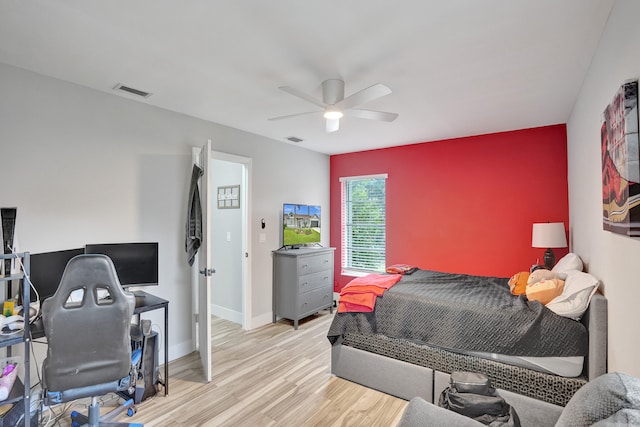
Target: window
{"type": "Point", "coordinates": [363, 224]}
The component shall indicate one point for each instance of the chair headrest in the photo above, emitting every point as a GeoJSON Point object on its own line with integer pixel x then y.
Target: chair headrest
{"type": "Point", "coordinates": [89, 272]}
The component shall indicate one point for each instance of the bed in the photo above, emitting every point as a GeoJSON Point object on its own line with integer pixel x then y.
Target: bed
{"type": "Point", "coordinates": [433, 323]}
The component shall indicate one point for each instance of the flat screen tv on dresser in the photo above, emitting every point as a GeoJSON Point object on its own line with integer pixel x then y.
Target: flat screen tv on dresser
{"type": "Point", "coordinates": [301, 225]}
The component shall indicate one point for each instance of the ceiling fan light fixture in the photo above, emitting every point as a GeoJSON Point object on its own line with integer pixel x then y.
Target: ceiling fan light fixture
{"type": "Point", "coordinates": [334, 104]}
{"type": "Point", "coordinates": [333, 114]}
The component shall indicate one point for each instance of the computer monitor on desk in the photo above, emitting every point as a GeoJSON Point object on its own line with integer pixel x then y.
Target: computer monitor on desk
{"type": "Point", "coordinates": [136, 263]}
{"type": "Point", "coordinates": [46, 271]}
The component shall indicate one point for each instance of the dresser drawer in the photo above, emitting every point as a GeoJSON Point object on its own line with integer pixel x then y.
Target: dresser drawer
{"type": "Point", "coordinates": [313, 264]}
{"type": "Point", "coordinates": [313, 301]}
{"type": "Point", "coordinates": [321, 279]}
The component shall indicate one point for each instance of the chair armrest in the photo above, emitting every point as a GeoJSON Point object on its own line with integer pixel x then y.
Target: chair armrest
{"type": "Point", "coordinates": [420, 413]}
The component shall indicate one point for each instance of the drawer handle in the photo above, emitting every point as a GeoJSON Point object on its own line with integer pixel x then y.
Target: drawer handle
{"type": "Point", "coordinates": [305, 283]}
{"type": "Point", "coordinates": [305, 266]}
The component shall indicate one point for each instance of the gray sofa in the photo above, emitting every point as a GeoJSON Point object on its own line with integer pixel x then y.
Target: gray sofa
{"type": "Point", "coordinates": [611, 399]}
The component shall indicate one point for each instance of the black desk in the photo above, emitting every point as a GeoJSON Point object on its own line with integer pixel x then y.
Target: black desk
{"type": "Point", "coordinates": [143, 304]}
{"type": "Point", "coordinates": [147, 302]}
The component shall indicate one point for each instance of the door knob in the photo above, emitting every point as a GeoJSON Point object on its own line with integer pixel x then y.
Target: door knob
{"type": "Point", "coordinates": [207, 271]}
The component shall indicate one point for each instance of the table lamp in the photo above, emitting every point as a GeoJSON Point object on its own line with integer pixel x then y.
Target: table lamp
{"type": "Point", "coordinates": [549, 235]}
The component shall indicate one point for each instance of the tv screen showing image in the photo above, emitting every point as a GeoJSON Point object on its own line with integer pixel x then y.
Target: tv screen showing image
{"type": "Point", "coordinates": [136, 263]}
{"type": "Point", "coordinates": [301, 225]}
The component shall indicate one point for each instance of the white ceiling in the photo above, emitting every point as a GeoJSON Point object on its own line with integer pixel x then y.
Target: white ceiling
{"type": "Point", "coordinates": [456, 67]}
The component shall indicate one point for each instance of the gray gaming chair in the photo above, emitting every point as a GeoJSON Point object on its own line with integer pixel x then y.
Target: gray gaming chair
{"type": "Point", "coordinates": [87, 325]}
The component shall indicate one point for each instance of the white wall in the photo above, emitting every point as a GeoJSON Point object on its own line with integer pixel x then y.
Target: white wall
{"type": "Point", "coordinates": [612, 258]}
{"type": "Point", "coordinates": [83, 166]}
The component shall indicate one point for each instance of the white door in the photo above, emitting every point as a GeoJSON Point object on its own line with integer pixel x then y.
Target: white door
{"type": "Point", "coordinates": [202, 295]}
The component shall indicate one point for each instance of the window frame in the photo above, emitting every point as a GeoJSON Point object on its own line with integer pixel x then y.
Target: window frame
{"type": "Point", "coordinates": [346, 255]}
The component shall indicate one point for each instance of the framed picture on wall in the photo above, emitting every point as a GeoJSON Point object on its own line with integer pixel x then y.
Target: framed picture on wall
{"type": "Point", "coordinates": [621, 163]}
{"type": "Point", "coordinates": [229, 197]}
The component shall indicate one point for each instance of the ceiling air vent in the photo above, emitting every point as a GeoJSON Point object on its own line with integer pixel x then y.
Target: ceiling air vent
{"type": "Point", "coordinates": [294, 139]}
{"type": "Point", "coordinates": [131, 90]}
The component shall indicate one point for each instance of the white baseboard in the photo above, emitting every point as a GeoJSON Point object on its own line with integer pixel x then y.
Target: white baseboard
{"type": "Point", "coordinates": [226, 313]}
{"type": "Point", "coordinates": [236, 317]}
{"type": "Point", "coordinates": [263, 319]}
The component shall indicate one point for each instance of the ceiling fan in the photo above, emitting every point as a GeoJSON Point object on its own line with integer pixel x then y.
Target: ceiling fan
{"type": "Point", "coordinates": [334, 105]}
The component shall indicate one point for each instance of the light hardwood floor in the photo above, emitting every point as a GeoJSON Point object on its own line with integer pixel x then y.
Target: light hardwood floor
{"type": "Point", "coordinates": [271, 376]}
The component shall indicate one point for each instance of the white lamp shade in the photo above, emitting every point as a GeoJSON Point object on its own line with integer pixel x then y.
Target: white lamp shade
{"type": "Point", "coordinates": [548, 235]}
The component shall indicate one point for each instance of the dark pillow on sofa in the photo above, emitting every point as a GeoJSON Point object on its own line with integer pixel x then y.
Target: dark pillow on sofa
{"type": "Point", "coordinates": [610, 399]}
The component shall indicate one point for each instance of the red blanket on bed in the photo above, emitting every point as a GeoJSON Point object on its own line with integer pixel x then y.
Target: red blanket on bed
{"type": "Point", "coordinates": [359, 295]}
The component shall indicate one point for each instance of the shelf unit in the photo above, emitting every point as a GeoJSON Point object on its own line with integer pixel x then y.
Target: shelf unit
{"type": "Point", "coordinates": [21, 391]}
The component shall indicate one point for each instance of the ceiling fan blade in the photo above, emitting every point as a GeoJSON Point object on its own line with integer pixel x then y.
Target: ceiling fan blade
{"type": "Point", "coordinates": [365, 95]}
{"type": "Point", "coordinates": [294, 115]}
{"type": "Point", "coordinates": [297, 93]}
{"type": "Point", "coordinates": [372, 115]}
{"type": "Point", "coordinates": [333, 125]}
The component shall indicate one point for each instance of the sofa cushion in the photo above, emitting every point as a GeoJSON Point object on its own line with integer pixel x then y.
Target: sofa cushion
{"type": "Point", "coordinates": [610, 399]}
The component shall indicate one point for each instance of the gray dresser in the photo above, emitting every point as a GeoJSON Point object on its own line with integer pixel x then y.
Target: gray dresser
{"type": "Point", "coordinates": [302, 282]}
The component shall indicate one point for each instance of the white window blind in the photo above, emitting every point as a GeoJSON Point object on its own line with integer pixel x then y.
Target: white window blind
{"type": "Point", "coordinates": [363, 224]}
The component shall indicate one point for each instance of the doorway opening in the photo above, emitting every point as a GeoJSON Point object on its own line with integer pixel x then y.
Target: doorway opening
{"type": "Point", "coordinates": [229, 234]}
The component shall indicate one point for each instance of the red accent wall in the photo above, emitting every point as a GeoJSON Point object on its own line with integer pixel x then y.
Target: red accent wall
{"type": "Point", "coordinates": [464, 205]}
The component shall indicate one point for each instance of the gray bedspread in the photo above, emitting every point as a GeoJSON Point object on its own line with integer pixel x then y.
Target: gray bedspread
{"type": "Point", "coordinates": [466, 313]}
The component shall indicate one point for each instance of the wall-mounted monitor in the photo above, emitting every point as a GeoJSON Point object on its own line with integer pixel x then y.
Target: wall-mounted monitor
{"type": "Point", "coordinates": [301, 225]}
{"type": "Point", "coordinates": [135, 263]}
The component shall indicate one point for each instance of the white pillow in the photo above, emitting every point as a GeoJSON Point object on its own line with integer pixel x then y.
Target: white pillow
{"type": "Point", "coordinates": [567, 263]}
{"type": "Point", "coordinates": [578, 289]}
